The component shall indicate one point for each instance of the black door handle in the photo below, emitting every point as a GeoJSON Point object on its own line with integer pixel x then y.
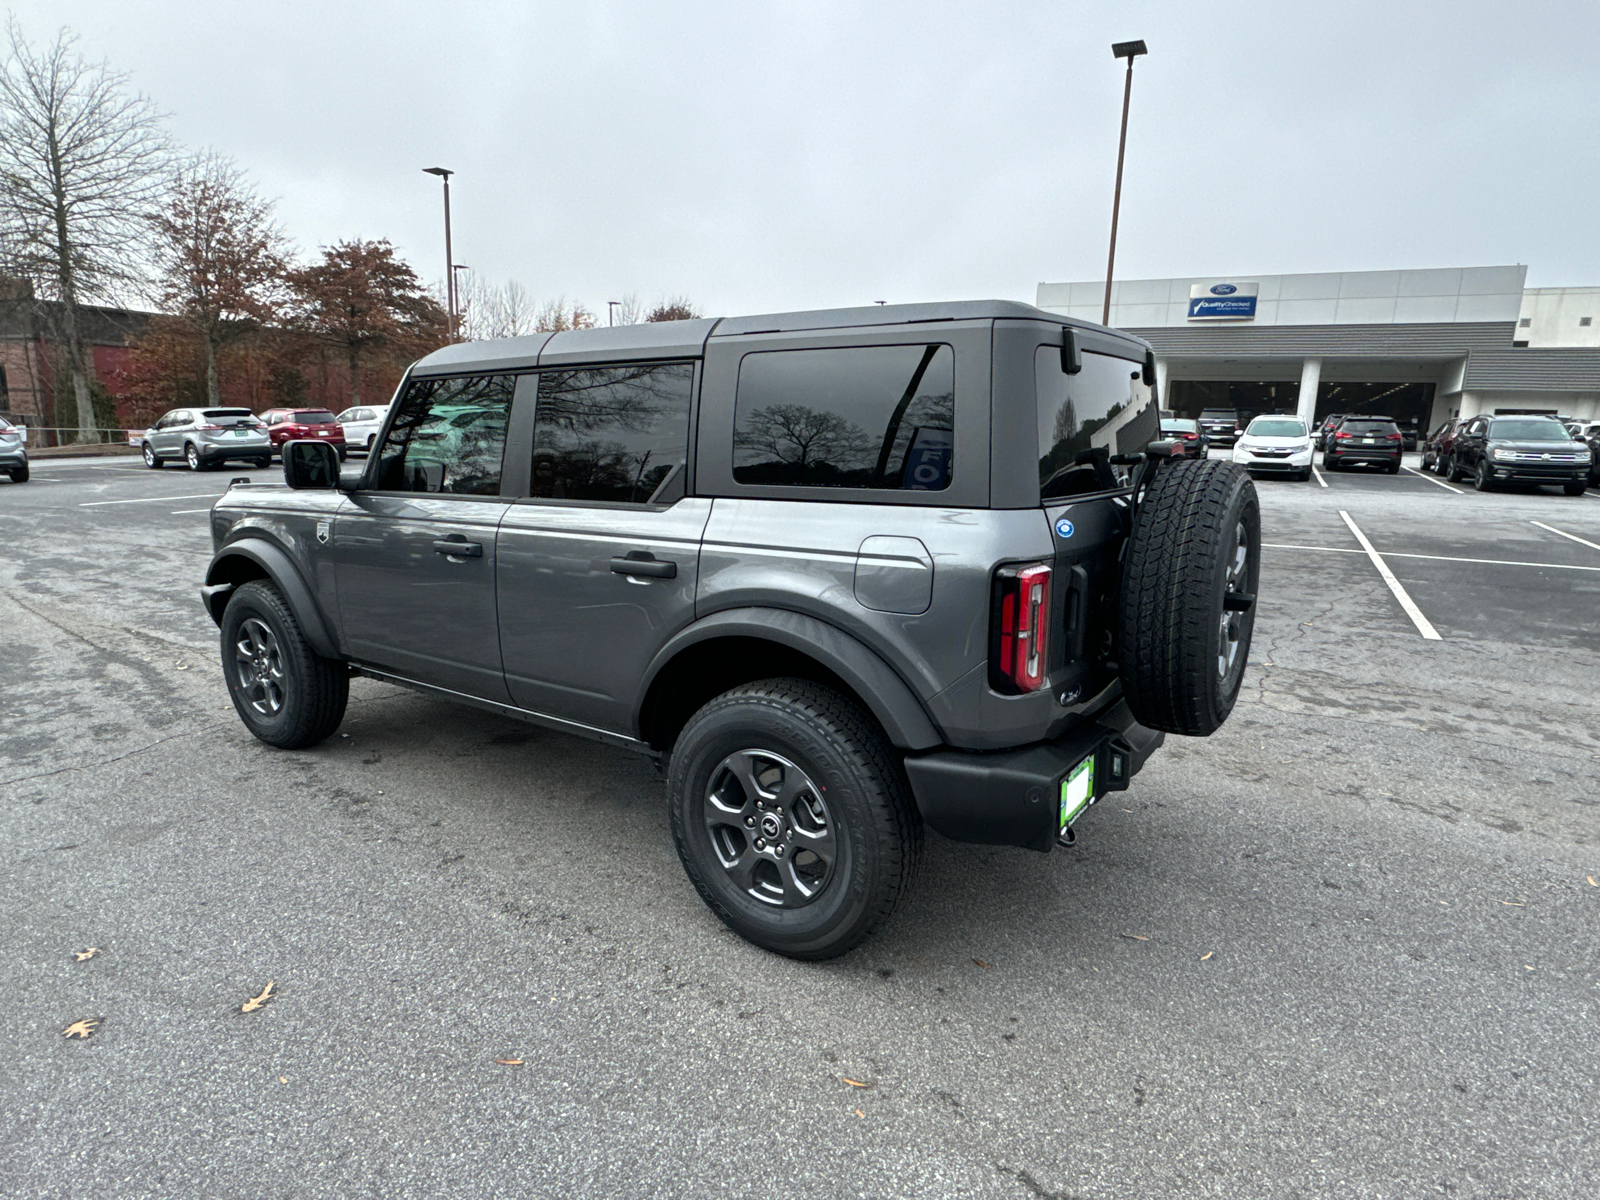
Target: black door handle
{"type": "Point", "coordinates": [644, 565]}
{"type": "Point", "coordinates": [461, 549]}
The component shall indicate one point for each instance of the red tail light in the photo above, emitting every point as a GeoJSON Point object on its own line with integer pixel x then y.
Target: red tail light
{"type": "Point", "coordinates": [1191, 437]}
{"type": "Point", "coordinates": [1020, 655]}
{"type": "Point", "coordinates": [1341, 435]}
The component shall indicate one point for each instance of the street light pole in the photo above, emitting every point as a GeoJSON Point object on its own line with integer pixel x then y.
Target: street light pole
{"type": "Point", "coordinates": [611, 312]}
{"type": "Point", "coordinates": [1129, 51]}
{"type": "Point", "coordinates": [450, 266]}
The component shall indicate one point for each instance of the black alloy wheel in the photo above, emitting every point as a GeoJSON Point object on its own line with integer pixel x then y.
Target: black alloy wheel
{"type": "Point", "coordinates": [1453, 472]}
{"type": "Point", "coordinates": [792, 817]}
{"type": "Point", "coordinates": [1484, 479]}
{"type": "Point", "coordinates": [150, 458]}
{"type": "Point", "coordinates": [285, 694]}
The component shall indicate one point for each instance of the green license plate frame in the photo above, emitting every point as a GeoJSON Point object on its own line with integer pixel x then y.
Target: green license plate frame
{"type": "Point", "coordinates": [1076, 791]}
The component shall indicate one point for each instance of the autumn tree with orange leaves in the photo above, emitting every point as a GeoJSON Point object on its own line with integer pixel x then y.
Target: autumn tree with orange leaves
{"type": "Point", "coordinates": [362, 298]}
{"type": "Point", "coordinates": [222, 262]}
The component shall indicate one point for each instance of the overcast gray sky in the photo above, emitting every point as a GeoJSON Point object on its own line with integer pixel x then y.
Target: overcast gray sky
{"type": "Point", "coordinates": [760, 156]}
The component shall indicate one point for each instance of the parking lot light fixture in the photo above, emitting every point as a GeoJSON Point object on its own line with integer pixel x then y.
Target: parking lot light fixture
{"type": "Point", "coordinates": [1129, 51]}
{"type": "Point", "coordinates": [449, 267]}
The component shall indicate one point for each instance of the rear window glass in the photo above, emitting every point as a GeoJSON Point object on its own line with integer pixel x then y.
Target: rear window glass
{"type": "Point", "coordinates": [1277, 429]}
{"type": "Point", "coordinates": [1105, 404]}
{"type": "Point", "coordinates": [1180, 426]}
{"type": "Point", "coordinates": [1529, 431]}
{"type": "Point", "coordinates": [1370, 427]}
{"type": "Point", "coordinates": [858, 417]}
{"type": "Point", "coordinates": [1218, 414]}
{"type": "Point", "coordinates": [228, 412]}
{"type": "Point", "coordinates": [319, 417]}
{"type": "Point", "coordinates": [613, 433]}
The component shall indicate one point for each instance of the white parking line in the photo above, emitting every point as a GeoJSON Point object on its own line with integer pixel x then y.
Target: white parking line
{"type": "Point", "coordinates": [152, 499]}
{"type": "Point", "coordinates": [1317, 475]}
{"type": "Point", "coordinates": [1424, 626]}
{"type": "Point", "coordinates": [183, 512]}
{"type": "Point", "coordinates": [1440, 482]}
{"type": "Point", "coordinates": [1565, 534]}
{"type": "Point", "coordinates": [1486, 562]}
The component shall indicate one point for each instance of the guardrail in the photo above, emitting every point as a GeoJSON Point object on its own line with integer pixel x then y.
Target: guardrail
{"type": "Point", "coordinates": [61, 435]}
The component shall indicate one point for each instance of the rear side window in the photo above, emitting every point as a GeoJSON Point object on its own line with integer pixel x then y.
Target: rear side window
{"type": "Point", "coordinates": [856, 417]}
{"type": "Point", "coordinates": [450, 437]}
{"type": "Point", "coordinates": [613, 433]}
{"type": "Point", "coordinates": [1105, 404]}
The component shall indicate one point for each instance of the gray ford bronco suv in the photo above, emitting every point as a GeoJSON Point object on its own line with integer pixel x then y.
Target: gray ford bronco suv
{"type": "Point", "coordinates": [844, 573]}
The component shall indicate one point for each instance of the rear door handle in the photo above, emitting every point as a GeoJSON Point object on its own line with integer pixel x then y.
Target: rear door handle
{"type": "Point", "coordinates": [461, 549]}
{"type": "Point", "coordinates": [645, 565]}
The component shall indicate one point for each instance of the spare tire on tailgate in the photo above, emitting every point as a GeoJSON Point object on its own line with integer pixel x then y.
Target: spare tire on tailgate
{"type": "Point", "coordinates": [1189, 576]}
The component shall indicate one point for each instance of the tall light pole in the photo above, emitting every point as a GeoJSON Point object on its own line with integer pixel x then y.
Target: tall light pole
{"type": "Point", "coordinates": [450, 266]}
{"type": "Point", "coordinates": [611, 312]}
{"type": "Point", "coordinates": [1129, 51]}
{"type": "Point", "coordinates": [461, 302]}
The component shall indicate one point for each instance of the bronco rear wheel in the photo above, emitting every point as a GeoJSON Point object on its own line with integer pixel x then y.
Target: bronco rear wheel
{"type": "Point", "coordinates": [792, 817]}
{"type": "Point", "coordinates": [1187, 610]}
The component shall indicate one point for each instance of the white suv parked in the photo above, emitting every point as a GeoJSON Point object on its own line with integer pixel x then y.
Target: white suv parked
{"type": "Point", "coordinates": [362, 425]}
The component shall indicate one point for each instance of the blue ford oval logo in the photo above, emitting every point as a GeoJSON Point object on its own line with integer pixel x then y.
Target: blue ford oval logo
{"type": "Point", "coordinates": [1223, 289]}
{"type": "Point", "coordinates": [1064, 527]}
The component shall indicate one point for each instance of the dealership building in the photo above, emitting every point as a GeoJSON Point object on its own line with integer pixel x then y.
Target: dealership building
{"type": "Point", "coordinates": [1418, 346]}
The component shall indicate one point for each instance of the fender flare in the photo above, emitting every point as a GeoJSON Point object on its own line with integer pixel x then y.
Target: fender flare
{"type": "Point", "coordinates": [280, 569]}
{"type": "Point", "coordinates": [884, 692]}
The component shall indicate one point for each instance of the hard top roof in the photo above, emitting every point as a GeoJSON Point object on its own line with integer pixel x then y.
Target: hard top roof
{"type": "Point", "coordinates": [687, 339]}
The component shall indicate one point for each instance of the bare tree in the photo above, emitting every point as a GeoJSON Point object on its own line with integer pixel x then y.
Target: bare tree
{"type": "Point", "coordinates": [557, 315]}
{"type": "Point", "coordinates": [82, 165]}
{"type": "Point", "coordinates": [488, 311]}
{"type": "Point", "coordinates": [804, 438]}
{"type": "Point", "coordinates": [221, 260]}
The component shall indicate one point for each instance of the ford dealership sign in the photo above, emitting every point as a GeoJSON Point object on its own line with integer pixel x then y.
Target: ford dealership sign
{"type": "Point", "coordinates": [1223, 301]}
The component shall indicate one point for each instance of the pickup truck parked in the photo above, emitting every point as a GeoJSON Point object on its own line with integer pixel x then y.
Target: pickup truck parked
{"type": "Point", "coordinates": [848, 573]}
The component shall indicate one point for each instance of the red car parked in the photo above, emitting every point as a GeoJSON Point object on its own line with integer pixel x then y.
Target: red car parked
{"type": "Point", "coordinates": [286, 424]}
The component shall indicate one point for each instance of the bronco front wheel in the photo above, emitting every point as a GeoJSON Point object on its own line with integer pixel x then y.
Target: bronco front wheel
{"type": "Point", "coordinates": [284, 692]}
{"type": "Point", "coordinates": [792, 817]}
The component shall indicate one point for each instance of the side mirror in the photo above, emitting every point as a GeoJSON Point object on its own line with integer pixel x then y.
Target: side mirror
{"type": "Point", "coordinates": [1071, 356]}
{"type": "Point", "coordinates": [309, 464]}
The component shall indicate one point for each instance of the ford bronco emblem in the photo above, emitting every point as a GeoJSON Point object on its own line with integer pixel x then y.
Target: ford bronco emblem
{"type": "Point", "coordinates": [322, 532]}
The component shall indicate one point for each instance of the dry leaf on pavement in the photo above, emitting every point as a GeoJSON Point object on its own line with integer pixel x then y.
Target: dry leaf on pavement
{"type": "Point", "coordinates": [81, 1029]}
{"type": "Point", "coordinates": [1514, 903]}
{"type": "Point", "coordinates": [1592, 883]}
{"type": "Point", "coordinates": [981, 963]}
{"type": "Point", "coordinates": [855, 1083]}
{"type": "Point", "coordinates": [1138, 937]}
{"type": "Point", "coordinates": [509, 1062]}
{"type": "Point", "coordinates": [1207, 955]}
{"type": "Point", "coordinates": [260, 1001]}
{"type": "Point", "coordinates": [82, 955]}
{"type": "Point", "coordinates": [859, 1113]}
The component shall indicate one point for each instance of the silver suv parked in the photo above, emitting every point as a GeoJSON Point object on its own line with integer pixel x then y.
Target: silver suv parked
{"type": "Point", "coordinates": [13, 452]}
{"type": "Point", "coordinates": [848, 573]}
{"type": "Point", "coordinates": [207, 437]}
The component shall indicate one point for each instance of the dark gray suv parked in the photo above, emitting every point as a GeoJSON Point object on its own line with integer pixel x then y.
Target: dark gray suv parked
{"type": "Point", "coordinates": [847, 573]}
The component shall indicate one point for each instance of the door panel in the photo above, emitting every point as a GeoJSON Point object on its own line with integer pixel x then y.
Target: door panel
{"type": "Point", "coordinates": [407, 606]}
{"type": "Point", "coordinates": [576, 634]}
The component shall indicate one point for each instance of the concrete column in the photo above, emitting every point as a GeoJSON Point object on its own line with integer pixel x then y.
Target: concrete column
{"type": "Point", "coordinates": [1310, 376]}
{"type": "Point", "coordinates": [1165, 401]}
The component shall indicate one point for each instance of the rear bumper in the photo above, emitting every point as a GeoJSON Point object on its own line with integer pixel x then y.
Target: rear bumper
{"type": "Point", "coordinates": [220, 451]}
{"type": "Point", "coordinates": [1012, 797]}
{"type": "Point", "coordinates": [1359, 455]}
{"type": "Point", "coordinates": [12, 456]}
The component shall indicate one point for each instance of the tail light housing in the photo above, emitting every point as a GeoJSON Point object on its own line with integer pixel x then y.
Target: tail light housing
{"type": "Point", "coordinates": [209, 428]}
{"type": "Point", "coordinates": [1019, 656]}
{"type": "Point", "coordinates": [1341, 435]}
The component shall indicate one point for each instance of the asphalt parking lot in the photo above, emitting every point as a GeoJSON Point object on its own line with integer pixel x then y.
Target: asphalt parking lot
{"type": "Point", "coordinates": [1345, 947]}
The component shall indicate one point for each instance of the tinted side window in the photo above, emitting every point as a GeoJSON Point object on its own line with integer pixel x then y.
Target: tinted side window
{"type": "Point", "coordinates": [1105, 404]}
{"type": "Point", "coordinates": [450, 437]}
{"type": "Point", "coordinates": [863, 417]}
{"type": "Point", "coordinates": [613, 433]}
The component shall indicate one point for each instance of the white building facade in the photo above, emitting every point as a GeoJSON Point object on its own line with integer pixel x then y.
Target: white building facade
{"type": "Point", "coordinates": [1420, 346]}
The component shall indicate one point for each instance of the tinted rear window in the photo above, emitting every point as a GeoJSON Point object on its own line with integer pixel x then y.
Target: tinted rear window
{"type": "Point", "coordinates": [1218, 414]}
{"type": "Point", "coordinates": [613, 433]}
{"type": "Point", "coordinates": [858, 417]}
{"type": "Point", "coordinates": [1370, 427]}
{"type": "Point", "coordinates": [1105, 404]}
{"type": "Point", "coordinates": [1180, 426]}
{"type": "Point", "coordinates": [228, 412]}
{"type": "Point", "coordinates": [1529, 431]}
{"type": "Point", "coordinates": [310, 418]}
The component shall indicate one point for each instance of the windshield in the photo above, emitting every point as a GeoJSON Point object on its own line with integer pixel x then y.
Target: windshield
{"type": "Point", "coordinates": [1278, 427]}
{"type": "Point", "coordinates": [1533, 430]}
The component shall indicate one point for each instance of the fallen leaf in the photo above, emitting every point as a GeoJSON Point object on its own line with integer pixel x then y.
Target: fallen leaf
{"type": "Point", "coordinates": [1207, 955]}
{"type": "Point", "coordinates": [855, 1083]}
{"type": "Point", "coordinates": [859, 1113]}
{"type": "Point", "coordinates": [81, 1029]}
{"type": "Point", "coordinates": [981, 963]}
{"type": "Point", "coordinates": [509, 1062]}
{"type": "Point", "coordinates": [282, 1079]}
{"type": "Point", "coordinates": [182, 666]}
{"type": "Point", "coordinates": [85, 955]}
{"type": "Point", "coordinates": [260, 1001]}
{"type": "Point", "coordinates": [1526, 967]}
{"type": "Point", "coordinates": [1514, 903]}
{"type": "Point", "coordinates": [1592, 883]}
{"type": "Point", "coordinates": [1138, 937]}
